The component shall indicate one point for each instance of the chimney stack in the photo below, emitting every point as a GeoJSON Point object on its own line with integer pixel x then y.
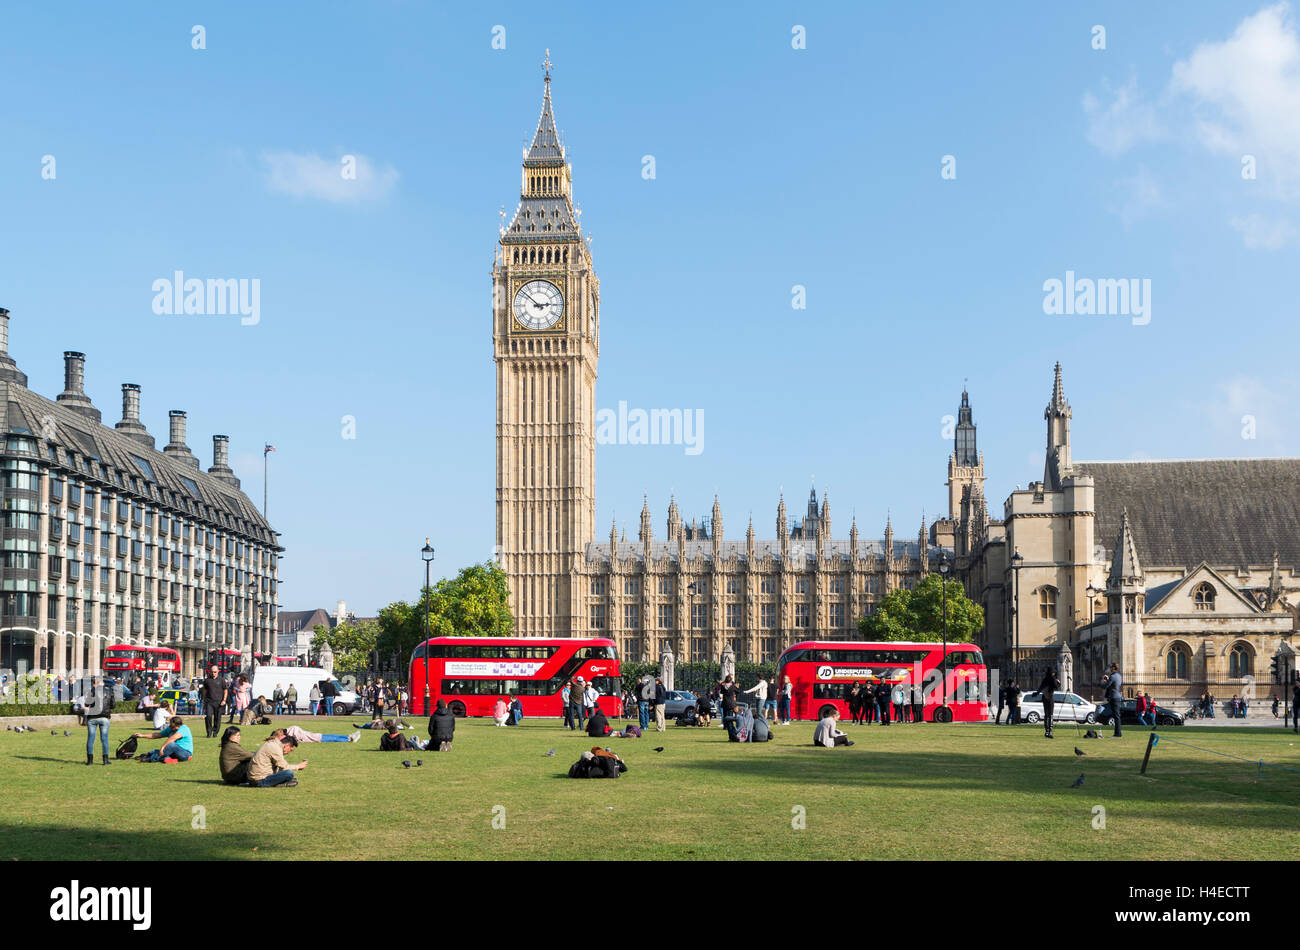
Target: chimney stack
{"type": "Point", "coordinates": [74, 386]}
{"type": "Point", "coordinates": [177, 448]}
{"type": "Point", "coordinates": [130, 424]}
{"type": "Point", "coordinates": [221, 460]}
{"type": "Point", "coordinates": [8, 368]}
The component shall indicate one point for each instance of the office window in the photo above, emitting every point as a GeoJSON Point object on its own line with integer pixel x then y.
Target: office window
{"type": "Point", "coordinates": [767, 585]}
{"type": "Point", "coordinates": [598, 616]}
{"type": "Point", "coordinates": [699, 615]}
{"type": "Point", "coordinates": [632, 586]}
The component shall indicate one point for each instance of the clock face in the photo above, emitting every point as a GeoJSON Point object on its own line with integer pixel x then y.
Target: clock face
{"type": "Point", "coordinates": [539, 305]}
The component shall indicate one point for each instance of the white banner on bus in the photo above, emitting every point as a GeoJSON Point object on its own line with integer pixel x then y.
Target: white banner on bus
{"type": "Point", "coordinates": [516, 669]}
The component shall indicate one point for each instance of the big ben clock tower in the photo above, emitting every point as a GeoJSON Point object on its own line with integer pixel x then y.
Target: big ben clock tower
{"type": "Point", "coordinates": [545, 341]}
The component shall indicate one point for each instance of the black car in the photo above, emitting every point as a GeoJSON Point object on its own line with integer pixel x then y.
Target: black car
{"type": "Point", "coordinates": [1129, 717]}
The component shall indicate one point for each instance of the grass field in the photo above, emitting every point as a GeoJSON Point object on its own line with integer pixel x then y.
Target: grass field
{"type": "Point", "coordinates": [919, 791]}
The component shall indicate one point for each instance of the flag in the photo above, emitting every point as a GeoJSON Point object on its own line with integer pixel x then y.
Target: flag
{"type": "Point", "coordinates": [269, 448]}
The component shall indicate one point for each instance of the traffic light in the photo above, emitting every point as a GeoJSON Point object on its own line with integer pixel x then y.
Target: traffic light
{"type": "Point", "coordinates": [1273, 670]}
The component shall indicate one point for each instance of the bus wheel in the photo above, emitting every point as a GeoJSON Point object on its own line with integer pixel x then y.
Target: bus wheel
{"type": "Point", "coordinates": [825, 711]}
{"type": "Point", "coordinates": [457, 709]}
{"type": "Point", "coordinates": [943, 714]}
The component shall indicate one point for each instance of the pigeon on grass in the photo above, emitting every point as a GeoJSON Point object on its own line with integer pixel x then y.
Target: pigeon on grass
{"type": "Point", "coordinates": [1078, 781]}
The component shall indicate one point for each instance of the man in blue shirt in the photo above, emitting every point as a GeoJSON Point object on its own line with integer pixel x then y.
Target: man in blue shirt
{"type": "Point", "coordinates": [179, 749]}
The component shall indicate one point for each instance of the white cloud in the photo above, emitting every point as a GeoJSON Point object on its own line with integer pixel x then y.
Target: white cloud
{"type": "Point", "coordinates": [338, 180]}
{"type": "Point", "coordinates": [1127, 120]}
{"type": "Point", "coordinates": [1246, 91]}
{"type": "Point", "coordinates": [1259, 232]}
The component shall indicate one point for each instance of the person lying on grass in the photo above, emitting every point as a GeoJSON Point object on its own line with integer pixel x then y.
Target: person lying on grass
{"type": "Point", "coordinates": [179, 749]}
{"type": "Point", "coordinates": [302, 735]}
{"type": "Point", "coordinates": [234, 758]}
{"type": "Point", "coordinates": [383, 723]}
{"type": "Point", "coordinates": [393, 741]}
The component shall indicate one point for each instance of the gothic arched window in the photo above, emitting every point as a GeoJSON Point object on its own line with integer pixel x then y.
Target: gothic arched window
{"type": "Point", "coordinates": [1239, 661]}
{"type": "Point", "coordinates": [1203, 597]}
{"type": "Point", "coordinates": [1176, 662]}
{"type": "Point", "coordinates": [1047, 603]}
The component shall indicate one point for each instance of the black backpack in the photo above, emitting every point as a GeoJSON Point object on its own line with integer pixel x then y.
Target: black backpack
{"type": "Point", "coordinates": [127, 749]}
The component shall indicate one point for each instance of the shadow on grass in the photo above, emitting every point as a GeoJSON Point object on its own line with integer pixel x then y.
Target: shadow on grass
{"type": "Point", "coordinates": [34, 842]}
{"type": "Point", "coordinates": [1196, 790]}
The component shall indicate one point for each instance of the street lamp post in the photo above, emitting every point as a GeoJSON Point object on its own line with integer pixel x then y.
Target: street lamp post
{"type": "Point", "coordinates": [943, 581]}
{"type": "Point", "coordinates": [426, 554]}
{"type": "Point", "coordinates": [1092, 646]}
{"type": "Point", "coordinates": [1017, 560]}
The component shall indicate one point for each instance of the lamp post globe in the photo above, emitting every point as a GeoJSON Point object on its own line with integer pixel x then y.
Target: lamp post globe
{"type": "Point", "coordinates": [426, 555]}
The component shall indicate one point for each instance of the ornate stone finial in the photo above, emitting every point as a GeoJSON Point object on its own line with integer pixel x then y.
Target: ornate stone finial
{"type": "Point", "coordinates": [546, 66]}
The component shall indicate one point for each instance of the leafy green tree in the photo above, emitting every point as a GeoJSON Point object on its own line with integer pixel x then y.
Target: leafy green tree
{"type": "Point", "coordinates": [917, 614]}
{"type": "Point", "coordinates": [352, 643]}
{"type": "Point", "coordinates": [474, 603]}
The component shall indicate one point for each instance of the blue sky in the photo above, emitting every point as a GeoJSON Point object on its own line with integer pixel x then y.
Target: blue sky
{"type": "Point", "coordinates": [775, 167]}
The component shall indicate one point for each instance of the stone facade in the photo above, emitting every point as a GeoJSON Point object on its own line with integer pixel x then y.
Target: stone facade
{"type": "Point", "coordinates": [109, 540]}
{"type": "Point", "coordinates": [1184, 572]}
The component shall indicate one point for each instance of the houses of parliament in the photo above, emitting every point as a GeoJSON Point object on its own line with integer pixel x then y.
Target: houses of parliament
{"type": "Point", "coordinates": [1185, 572]}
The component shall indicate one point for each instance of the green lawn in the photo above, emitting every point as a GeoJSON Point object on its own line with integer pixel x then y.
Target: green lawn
{"type": "Point", "coordinates": [922, 791]}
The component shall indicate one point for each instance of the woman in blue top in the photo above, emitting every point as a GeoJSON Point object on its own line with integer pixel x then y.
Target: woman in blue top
{"type": "Point", "coordinates": [179, 749]}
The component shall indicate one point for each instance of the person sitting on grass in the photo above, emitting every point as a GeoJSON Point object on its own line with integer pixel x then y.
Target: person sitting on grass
{"type": "Point", "coordinates": [442, 728]}
{"type": "Point", "coordinates": [162, 714]}
{"type": "Point", "coordinates": [516, 712]}
{"type": "Point", "coordinates": [234, 758]}
{"type": "Point", "coordinates": [704, 709]}
{"type": "Point", "coordinates": [268, 768]}
{"type": "Point", "coordinates": [179, 749]}
{"type": "Point", "coordinates": [258, 714]}
{"type": "Point", "coordinates": [827, 733]}
{"type": "Point", "coordinates": [393, 741]}
{"type": "Point", "coordinates": [500, 712]}
{"type": "Point", "coordinates": [597, 725]}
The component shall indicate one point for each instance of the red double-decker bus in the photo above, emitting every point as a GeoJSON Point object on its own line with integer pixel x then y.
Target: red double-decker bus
{"type": "Point", "coordinates": [226, 661]}
{"type": "Point", "coordinates": [122, 658]}
{"type": "Point", "coordinates": [823, 671]}
{"type": "Point", "coordinates": [472, 673]}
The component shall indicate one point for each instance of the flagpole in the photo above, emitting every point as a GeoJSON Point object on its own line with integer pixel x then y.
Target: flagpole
{"type": "Point", "coordinates": [266, 457]}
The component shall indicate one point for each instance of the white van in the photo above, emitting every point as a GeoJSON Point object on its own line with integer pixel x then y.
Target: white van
{"type": "Point", "coordinates": [304, 678]}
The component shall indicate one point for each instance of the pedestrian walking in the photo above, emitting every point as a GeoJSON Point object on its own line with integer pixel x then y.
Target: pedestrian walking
{"type": "Point", "coordinates": [1013, 703]}
{"type": "Point", "coordinates": [787, 697]}
{"type": "Point", "coordinates": [661, 696]}
{"type": "Point", "coordinates": [1113, 686]}
{"type": "Point", "coordinates": [1047, 688]}
{"type": "Point", "coordinates": [313, 697]}
{"type": "Point", "coordinates": [645, 701]}
{"type": "Point", "coordinates": [291, 699]}
{"type": "Point", "coordinates": [213, 692]}
{"type": "Point", "coordinates": [1002, 703]}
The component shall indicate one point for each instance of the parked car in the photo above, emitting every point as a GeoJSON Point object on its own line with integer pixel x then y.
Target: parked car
{"type": "Point", "coordinates": [179, 698]}
{"type": "Point", "coordinates": [1070, 707]}
{"type": "Point", "coordinates": [1129, 717]}
{"type": "Point", "coordinates": [676, 701]}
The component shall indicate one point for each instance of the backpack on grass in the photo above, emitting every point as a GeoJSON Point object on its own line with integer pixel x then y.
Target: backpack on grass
{"type": "Point", "coordinates": [127, 749]}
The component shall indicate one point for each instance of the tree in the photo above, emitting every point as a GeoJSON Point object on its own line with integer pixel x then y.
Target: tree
{"type": "Point", "coordinates": [917, 614]}
{"type": "Point", "coordinates": [352, 644]}
{"type": "Point", "coordinates": [475, 603]}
